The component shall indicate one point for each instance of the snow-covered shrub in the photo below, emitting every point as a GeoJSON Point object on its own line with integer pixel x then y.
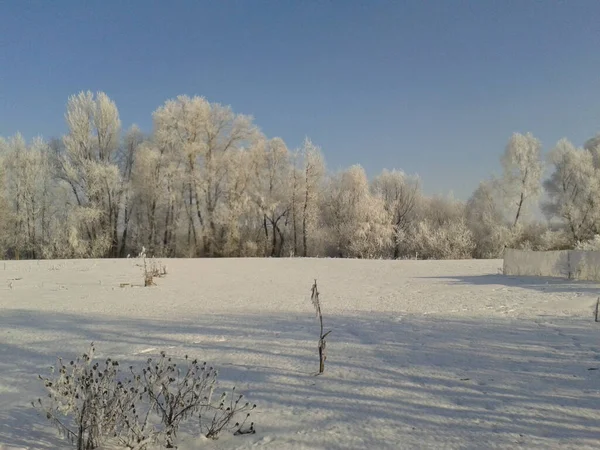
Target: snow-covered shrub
{"type": "Point", "coordinates": [177, 394]}
{"type": "Point", "coordinates": [486, 220]}
{"type": "Point", "coordinates": [589, 245]}
{"type": "Point", "coordinates": [92, 403]}
{"type": "Point", "coordinates": [357, 222]}
{"type": "Point", "coordinates": [86, 400]}
{"type": "Point", "coordinates": [454, 240]}
{"type": "Point", "coordinates": [249, 249]}
{"type": "Point", "coordinates": [528, 236]}
{"type": "Point", "coordinates": [555, 240]}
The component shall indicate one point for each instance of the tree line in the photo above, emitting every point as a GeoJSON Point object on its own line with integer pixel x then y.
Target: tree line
{"type": "Point", "coordinates": [206, 182]}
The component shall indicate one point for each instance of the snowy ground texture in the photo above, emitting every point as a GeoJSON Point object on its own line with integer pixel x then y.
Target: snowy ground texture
{"type": "Point", "coordinates": [423, 354]}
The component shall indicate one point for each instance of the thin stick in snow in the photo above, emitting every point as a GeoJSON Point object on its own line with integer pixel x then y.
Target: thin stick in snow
{"type": "Point", "coordinates": [322, 343]}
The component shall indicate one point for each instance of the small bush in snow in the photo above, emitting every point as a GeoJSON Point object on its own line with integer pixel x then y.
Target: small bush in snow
{"type": "Point", "coordinates": [93, 403]}
{"type": "Point", "coordinates": [178, 393]}
{"type": "Point", "coordinates": [85, 400]}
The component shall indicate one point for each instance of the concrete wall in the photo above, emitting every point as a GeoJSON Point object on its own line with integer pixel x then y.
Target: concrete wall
{"type": "Point", "coordinates": [574, 264]}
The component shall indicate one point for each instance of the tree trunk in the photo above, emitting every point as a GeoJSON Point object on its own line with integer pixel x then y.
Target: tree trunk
{"type": "Point", "coordinates": [126, 219]}
{"type": "Point", "coordinates": [304, 235]}
{"type": "Point", "coordinates": [152, 221]}
{"type": "Point", "coordinates": [520, 205]}
{"type": "Point", "coordinates": [273, 239]}
{"type": "Point", "coordinates": [396, 246]}
{"type": "Point", "coordinates": [294, 218]}
{"type": "Point", "coordinates": [266, 229]}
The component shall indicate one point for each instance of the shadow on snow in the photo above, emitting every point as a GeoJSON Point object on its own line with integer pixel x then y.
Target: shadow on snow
{"type": "Point", "coordinates": [411, 374]}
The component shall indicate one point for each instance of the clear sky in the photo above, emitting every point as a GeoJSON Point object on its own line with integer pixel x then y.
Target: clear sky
{"type": "Point", "coordinates": [433, 87]}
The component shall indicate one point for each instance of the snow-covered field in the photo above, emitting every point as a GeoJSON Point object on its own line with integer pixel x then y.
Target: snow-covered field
{"type": "Point", "coordinates": [423, 354]}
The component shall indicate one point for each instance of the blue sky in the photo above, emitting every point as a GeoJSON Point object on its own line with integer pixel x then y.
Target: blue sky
{"type": "Point", "coordinates": [433, 87]}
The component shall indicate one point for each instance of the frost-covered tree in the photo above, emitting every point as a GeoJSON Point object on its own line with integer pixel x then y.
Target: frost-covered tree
{"type": "Point", "coordinates": [28, 186]}
{"type": "Point", "coordinates": [485, 218]}
{"type": "Point", "coordinates": [272, 192]}
{"type": "Point", "coordinates": [295, 202]}
{"type": "Point", "coordinates": [156, 193]}
{"type": "Point", "coordinates": [205, 136]}
{"type": "Point", "coordinates": [243, 225]}
{"type": "Point", "coordinates": [207, 182]}
{"type": "Point", "coordinates": [5, 211]}
{"type": "Point", "coordinates": [440, 230]}
{"type": "Point", "coordinates": [89, 167]}
{"type": "Point", "coordinates": [132, 142]}
{"type": "Point", "coordinates": [522, 172]}
{"type": "Point", "coordinates": [593, 145]}
{"type": "Point", "coordinates": [357, 221]}
{"type": "Point", "coordinates": [572, 191]}
{"type": "Point", "coordinates": [400, 193]}
{"type": "Point", "coordinates": [309, 179]}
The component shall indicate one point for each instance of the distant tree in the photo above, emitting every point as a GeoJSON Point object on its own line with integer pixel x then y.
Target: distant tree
{"type": "Point", "coordinates": [522, 171]}
{"type": "Point", "coordinates": [399, 193]}
{"type": "Point", "coordinates": [5, 212]}
{"type": "Point", "coordinates": [242, 223]}
{"type": "Point", "coordinates": [133, 140]}
{"type": "Point", "coordinates": [485, 218]}
{"type": "Point", "coordinates": [272, 191]}
{"type": "Point", "coordinates": [440, 230]}
{"type": "Point", "coordinates": [205, 136]}
{"type": "Point", "coordinates": [207, 182]}
{"type": "Point", "coordinates": [572, 191]}
{"type": "Point", "coordinates": [357, 221]}
{"type": "Point", "coordinates": [28, 180]}
{"type": "Point", "coordinates": [295, 201]}
{"type": "Point", "coordinates": [593, 145]}
{"type": "Point", "coordinates": [312, 172]}
{"type": "Point", "coordinates": [151, 181]}
{"type": "Point", "coordinates": [90, 168]}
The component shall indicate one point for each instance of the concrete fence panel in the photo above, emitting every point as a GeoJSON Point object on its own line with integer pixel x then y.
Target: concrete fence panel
{"type": "Point", "coordinates": [585, 265]}
{"type": "Point", "coordinates": [536, 264]}
{"type": "Point", "coordinates": [573, 264]}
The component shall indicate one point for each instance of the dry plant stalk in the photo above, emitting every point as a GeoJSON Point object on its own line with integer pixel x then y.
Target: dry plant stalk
{"type": "Point", "coordinates": [152, 269]}
{"type": "Point", "coordinates": [322, 343]}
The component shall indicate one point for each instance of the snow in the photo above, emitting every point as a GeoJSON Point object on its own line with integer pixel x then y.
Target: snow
{"type": "Point", "coordinates": [423, 354]}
